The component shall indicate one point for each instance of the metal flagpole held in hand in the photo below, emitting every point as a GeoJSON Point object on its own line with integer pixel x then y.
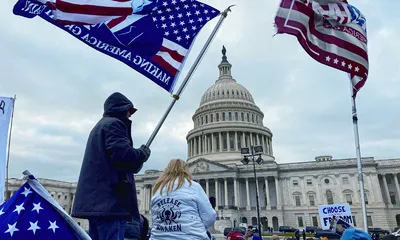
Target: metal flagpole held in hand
{"type": "Point", "coordinates": [9, 147]}
{"type": "Point", "coordinates": [359, 164]}
{"type": "Point", "coordinates": [176, 96]}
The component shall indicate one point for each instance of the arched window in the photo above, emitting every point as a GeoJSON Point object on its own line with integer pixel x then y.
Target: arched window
{"type": "Point", "coordinates": [217, 117]}
{"type": "Point", "coordinates": [202, 120]}
{"type": "Point", "coordinates": [329, 197]}
{"type": "Point", "coordinates": [223, 116]}
{"type": "Point", "coordinates": [254, 221]}
{"type": "Point", "coordinates": [311, 198]}
{"type": "Point", "coordinates": [348, 196]}
{"type": "Point", "coordinates": [248, 117]}
{"type": "Point", "coordinates": [224, 141]}
{"type": "Point", "coordinates": [242, 116]}
{"type": "Point", "coordinates": [211, 118]}
{"type": "Point", "coordinates": [297, 199]}
{"type": "Point", "coordinates": [252, 118]}
{"type": "Point", "coordinates": [206, 119]}
{"type": "Point", "coordinates": [230, 116]}
{"type": "Point", "coordinates": [232, 140]}
{"type": "Point", "coordinates": [236, 116]}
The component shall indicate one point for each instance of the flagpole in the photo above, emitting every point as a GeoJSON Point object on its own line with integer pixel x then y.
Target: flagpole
{"type": "Point", "coordinates": [9, 147]}
{"type": "Point", "coordinates": [359, 165]}
{"type": "Point", "coordinates": [176, 96]}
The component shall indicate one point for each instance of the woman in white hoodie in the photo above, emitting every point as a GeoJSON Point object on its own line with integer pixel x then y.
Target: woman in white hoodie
{"type": "Point", "coordinates": [180, 209]}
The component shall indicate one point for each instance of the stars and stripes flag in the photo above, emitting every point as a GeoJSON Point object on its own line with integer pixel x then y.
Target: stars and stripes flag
{"type": "Point", "coordinates": [31, 213]}
{"type": "Point", "coordinates": [333, 32]}
{"type": "Point", "coordinates": [154, 37]}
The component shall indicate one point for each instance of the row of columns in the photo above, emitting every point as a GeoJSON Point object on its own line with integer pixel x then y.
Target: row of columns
{"type": "Point", "coordinates": [202, 120]}
{"type": "Point", "coordinates": [236, 191]}
{"type": "Point", "coordinates": [319, 198]}
{"type": "Point", "coordinates": [146, 190]}
{"type": "Point", "coordinates": [385, 185]}
{"type": "Point", "coordinates": [213, 142]}
{"type": "Point", "coordinates": [146, 193]}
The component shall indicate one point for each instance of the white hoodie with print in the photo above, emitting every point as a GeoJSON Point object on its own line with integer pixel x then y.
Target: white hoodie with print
{"type": "Point", "coordinates": [183, 214]}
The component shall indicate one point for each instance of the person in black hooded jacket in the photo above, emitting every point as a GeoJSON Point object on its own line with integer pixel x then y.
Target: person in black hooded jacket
{"type": "Point", "coordinates": [106, 191]}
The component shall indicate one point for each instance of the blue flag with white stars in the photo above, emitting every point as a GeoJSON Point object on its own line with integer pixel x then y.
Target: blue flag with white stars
{"type": "Point", "coordinates": [31, 213]}
{"type": "Point", "coordinates": [153, 37]}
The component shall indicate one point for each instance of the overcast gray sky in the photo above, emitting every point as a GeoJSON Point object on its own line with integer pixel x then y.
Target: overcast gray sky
{"type": "Point", "coordinates": [61, 85]}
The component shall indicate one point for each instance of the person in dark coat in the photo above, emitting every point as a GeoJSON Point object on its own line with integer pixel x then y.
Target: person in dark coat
{"type": "Point", "coordinates": [375, 236]}
{"type": "Point", "coordinates": [106, 191]}
{"type": "Point", "coordinates": [304, 234]}
{"type": "Point", "coordinates": [297, 234]}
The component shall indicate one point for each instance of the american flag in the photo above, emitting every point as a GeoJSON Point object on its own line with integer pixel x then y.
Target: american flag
{"type": "Point", "coordinates": [179, 20]}
{"type": "Point", "coordinates": [331, 31]}
{"type": "Point", "coordinates": [31, 213]}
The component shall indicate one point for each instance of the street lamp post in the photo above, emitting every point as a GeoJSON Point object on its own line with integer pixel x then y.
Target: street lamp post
{"type": "Point", "coordinates": [254, 150]}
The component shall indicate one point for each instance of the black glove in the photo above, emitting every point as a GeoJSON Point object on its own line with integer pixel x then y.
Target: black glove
{"type": "Point", "coordinates": [146, 152]}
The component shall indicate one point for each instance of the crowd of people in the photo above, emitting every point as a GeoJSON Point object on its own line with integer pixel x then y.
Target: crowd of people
{"type": "Point", "coordinates": [249, 235]}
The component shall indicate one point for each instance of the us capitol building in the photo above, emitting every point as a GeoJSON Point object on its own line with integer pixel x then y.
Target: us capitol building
{"type": "Point", "coordinates": [228, 119]}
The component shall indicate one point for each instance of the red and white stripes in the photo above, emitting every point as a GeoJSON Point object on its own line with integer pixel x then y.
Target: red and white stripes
{"type": "Point", "coordinates": [170, 56]}
{"type": "Point", "coordinates": [325, 31]}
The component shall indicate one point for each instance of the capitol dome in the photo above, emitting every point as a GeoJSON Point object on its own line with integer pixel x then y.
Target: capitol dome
{"type": "Point", "coordinates": [226, 88]}
{"type": "Point", "coordinates": [227, 120]}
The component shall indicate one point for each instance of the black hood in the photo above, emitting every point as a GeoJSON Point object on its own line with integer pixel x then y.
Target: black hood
{"type": "Point", "coordinates": [117, 105]}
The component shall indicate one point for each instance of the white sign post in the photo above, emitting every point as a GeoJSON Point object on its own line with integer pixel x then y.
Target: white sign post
{"type": "Point", "coordinates": [338, 211]}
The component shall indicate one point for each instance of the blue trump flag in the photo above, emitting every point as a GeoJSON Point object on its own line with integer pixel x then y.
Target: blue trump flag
{"type": "Point", "coordinates": [154, 37]}
{"type": "Point", "coordinates": [31, 213]}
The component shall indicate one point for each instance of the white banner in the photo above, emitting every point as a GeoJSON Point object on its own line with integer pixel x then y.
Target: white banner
{"type": "Point", "coordinates": [6, 106]}
{"type": "Point", "coordinates": [339, 211]}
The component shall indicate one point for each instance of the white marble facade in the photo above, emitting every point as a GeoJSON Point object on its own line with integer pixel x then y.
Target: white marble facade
{"type": "Point", "coordinates": [293, 191]}
{"type": "Point", "coordinates": [228, 119]}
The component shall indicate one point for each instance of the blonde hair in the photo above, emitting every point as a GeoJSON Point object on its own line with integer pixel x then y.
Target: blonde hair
{"type": "Point", "coordinates": [176, 169]}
